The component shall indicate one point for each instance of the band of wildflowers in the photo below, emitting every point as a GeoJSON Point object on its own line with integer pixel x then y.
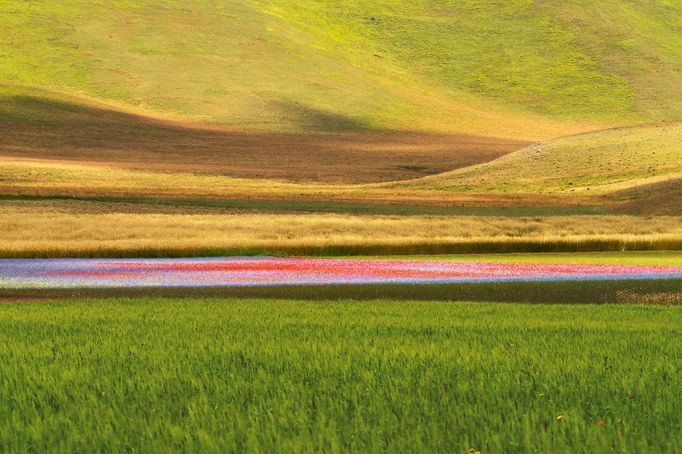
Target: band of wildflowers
{"type": "Point", "coordinates": [261, 271]}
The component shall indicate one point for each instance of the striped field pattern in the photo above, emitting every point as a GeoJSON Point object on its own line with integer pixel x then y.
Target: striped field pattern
{"type": "Point", "coordinates": [261, 271]}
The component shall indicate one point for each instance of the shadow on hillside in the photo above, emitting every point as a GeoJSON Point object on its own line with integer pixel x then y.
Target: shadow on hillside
{"type": "Point", "coordinates": [654, 199]}
{"type": "Point", "coordinates": [337, 149]}
{"type": "Point", "coordinates": [316, 120]}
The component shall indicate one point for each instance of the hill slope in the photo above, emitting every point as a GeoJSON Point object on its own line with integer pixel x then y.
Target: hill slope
{"type": "Point", "coordinates": [600, 162]}
{"type": "Point", "coordinates": [35, 124]}
{"type": "Point", "coordinates": [521, 69]}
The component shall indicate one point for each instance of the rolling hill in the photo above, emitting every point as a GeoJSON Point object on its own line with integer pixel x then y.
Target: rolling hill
{"type": "Point", "coordinates": [222, 98]}
{"type": "Point", "coordinates": [520, 69]}
{"type": "Point", "coordinates": [36, 124]}
{"type": "Point", "coordinates": [599, 162]}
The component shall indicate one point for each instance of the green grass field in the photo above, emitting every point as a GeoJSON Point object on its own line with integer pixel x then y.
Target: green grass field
{"type": "Point", "coordinates": [277, 376]}
{"type": "Point", "coordinates": [237, 64]}
{"type": "Point", "coordinates": [487, 67]}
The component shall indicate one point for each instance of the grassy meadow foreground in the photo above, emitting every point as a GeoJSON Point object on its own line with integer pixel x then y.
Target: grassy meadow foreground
{"type": "Point", "coordinates": [220, 375]}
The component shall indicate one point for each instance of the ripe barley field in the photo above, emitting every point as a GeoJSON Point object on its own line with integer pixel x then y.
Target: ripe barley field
{"type": "Point", "coordinates": [63, 228]}
{"type": "Point", "coordinates": [216, 375]}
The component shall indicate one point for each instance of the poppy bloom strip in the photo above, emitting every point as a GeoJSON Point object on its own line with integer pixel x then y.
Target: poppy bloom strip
{"type": "Point", "coordinates": [258, 271]}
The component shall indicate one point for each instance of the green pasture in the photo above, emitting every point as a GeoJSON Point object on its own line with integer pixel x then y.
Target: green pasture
{"type": "Point", "coordinates": [341, 65]}
{"type": "Point", "coordinates": [514, 52]}
{"type": "Point", "coordinates": [212, 375]}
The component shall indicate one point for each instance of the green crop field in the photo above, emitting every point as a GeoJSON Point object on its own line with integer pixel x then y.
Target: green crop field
{"type": "Point", "coordinates": [226, 375]}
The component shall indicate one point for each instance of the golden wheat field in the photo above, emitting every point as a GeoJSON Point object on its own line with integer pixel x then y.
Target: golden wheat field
{"type": "Point", "coordinates": [73, 228]}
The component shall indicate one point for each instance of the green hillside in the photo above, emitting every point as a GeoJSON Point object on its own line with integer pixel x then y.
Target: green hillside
{"type": "Point", "coordinates": [599, 162]}
{"type": "Point", "coordinates": [522, 69]}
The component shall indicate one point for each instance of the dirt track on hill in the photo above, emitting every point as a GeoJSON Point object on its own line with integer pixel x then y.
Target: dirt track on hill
{"type": "Point", "coordinates": [108, 137]}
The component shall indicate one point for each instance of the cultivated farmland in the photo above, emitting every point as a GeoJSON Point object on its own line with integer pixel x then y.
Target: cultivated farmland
{"type": "Point", "coordinates": [221, 375]}
{"type": "Point", "coordinates": [91, 229]}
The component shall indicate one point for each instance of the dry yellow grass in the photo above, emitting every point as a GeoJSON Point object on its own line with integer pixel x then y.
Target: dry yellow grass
{"type": "Point", "coordinates": [70, 228]}
{"type": "Point", "coordinates": [600, 162]}
{"type": "Point", "coordinates": [52, 177]}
